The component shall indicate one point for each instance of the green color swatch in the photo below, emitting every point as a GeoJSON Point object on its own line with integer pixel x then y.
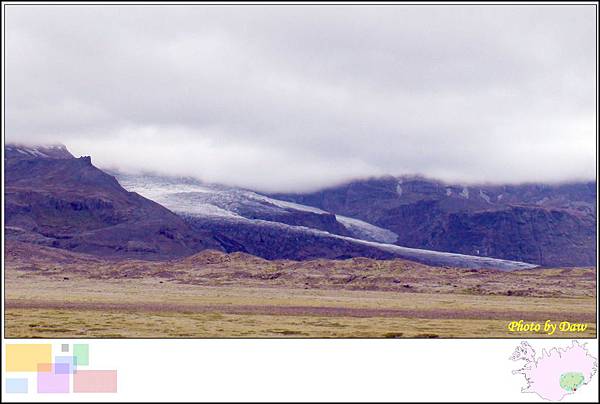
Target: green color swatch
{"type": "Point", "coordinates": [81, 353]}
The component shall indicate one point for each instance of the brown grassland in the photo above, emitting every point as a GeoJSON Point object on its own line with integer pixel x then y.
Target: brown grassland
{"type": "Point", "coordinates": [59, 294]}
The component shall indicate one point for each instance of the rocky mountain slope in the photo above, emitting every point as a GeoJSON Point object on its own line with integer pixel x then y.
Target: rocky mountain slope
{"type": "Point", "coordinates": [542, 224]}
{"type": "Point", "coordinates": [55, 199]}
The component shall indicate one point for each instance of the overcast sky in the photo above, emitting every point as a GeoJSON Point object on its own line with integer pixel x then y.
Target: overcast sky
{"type": "Point", "coordinates": [293, 98]}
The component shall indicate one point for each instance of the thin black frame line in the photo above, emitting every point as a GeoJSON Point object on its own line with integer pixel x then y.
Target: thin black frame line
{"type": "Point", "coordinates": [304, 4]}
{"type": "Point", "coordinates": [5, 4]}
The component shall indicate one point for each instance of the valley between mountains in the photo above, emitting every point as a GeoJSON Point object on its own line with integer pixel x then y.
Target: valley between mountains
{"type": "Point", "coordinates": [97, 253]}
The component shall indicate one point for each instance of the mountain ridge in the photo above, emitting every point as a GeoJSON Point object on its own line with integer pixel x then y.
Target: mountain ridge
{"type": "Point", "coordinates": [540, 223]}
{"type": "Point", "coordinates": [56, 199]}
{"type": "Point", "coordinates": [66, 202]}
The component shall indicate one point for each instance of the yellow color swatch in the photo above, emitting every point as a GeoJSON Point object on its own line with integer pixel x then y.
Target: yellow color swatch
{"type": "Point", "coordinates": [26, 357]}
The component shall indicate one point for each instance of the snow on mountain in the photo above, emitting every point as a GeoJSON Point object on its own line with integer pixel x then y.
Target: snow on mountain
{"type": "Point", "coordinates": [358, 228]}
{"type": "Point", "coordinates": [366, 231]}
{"type": "Point", "coordinates": [189, 197]}
{"type": "Point", "coordinates": [49, 151]}
{"type": "Point", "coordinates": [185, 196]}
{"type": "Point", "coordinates": [286, 204]}
{"type": "Point", "coordinates": [448, 259]}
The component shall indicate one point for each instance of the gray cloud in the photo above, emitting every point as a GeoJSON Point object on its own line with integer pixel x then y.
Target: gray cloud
{"type": "Point", "coordinates": [292, 98]}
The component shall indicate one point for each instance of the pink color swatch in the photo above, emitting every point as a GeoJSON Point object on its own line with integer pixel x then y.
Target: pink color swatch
{"type": "Point", "coordinates": [95, 381]}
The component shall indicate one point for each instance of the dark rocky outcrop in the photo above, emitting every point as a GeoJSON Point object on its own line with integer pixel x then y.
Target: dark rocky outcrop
{"type": "Point", "coordinates": [55, 199]}
{"type": "Point", "coordinates": [537, 223]}
{"type": "Point", "coordinates": [272, 242]}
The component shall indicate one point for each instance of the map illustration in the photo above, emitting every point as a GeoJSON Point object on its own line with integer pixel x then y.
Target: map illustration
{"type": "Point", "coordinates": [557, 372]}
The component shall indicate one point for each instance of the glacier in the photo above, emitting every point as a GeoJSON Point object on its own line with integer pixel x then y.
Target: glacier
{"type": "Point", "coordinates": [190, 197]}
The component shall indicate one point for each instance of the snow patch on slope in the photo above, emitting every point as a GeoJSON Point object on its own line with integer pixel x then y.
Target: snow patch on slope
{"type": "Point", "coordinates": [286, 204]}
{"type": "Point", "coordinates": [367, 231]}
{"type": "Point", "coordinates": [399, 189]}
{"type": "Point", "coordinates": [484, 196]}
{"type": "Point", "coordinates": [28, 151]}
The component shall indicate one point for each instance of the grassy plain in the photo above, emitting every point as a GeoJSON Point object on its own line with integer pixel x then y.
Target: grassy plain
{"type": "Point", "coordinates": [52, 306]}
{"type": "Point", "coordinates": [60, 294]}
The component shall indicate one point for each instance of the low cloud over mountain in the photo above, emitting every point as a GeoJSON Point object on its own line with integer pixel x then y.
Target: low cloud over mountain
{"type": "Point", "coordinates": [285, 99]}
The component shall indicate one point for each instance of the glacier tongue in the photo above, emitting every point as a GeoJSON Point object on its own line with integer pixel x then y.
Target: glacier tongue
{"type": "Point", "coordinates": [367, 231]}
{"type": "Point", "coordinates": [440, 258]}
{"type": "Point", "coordinates": [217, 202]}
